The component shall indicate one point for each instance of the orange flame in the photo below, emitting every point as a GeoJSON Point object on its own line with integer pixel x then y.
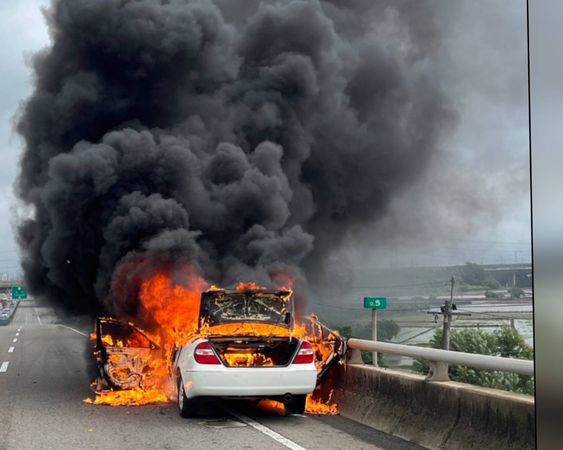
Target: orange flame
{"type": "Point", "coordinates": [246, 329]}
{"type": "Point", "coordinates": [247, 360]}
{"type": "Point", "coordinates": [174, 309]}
{"type": "Point", "coordinates": [214, 288]}
{"type": "Point", "coordinates": [319, 407]}
{"type": "Point", "coordinates": [171, 312]}
{"type": "Point", "coordinates": [130, 397]}
{"type": "Point", "coordinates": [248, 286]}
{"type": "Point", "coordinates": [272, 406]}
{"type": "Point", "coordinates": [313, 406]}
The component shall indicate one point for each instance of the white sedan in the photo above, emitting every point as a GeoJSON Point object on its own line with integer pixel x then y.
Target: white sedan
{"type": "Point", "coordinates": [235, 357]}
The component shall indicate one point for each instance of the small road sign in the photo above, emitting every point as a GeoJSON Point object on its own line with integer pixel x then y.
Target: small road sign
{"type": "Point", "coordinates": [375, 302]}
{"type": "Point", "coordinates": [19, 293]}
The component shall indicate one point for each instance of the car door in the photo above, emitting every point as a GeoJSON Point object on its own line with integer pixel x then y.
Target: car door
{"type": "Point", "coordinates": [124, 354]}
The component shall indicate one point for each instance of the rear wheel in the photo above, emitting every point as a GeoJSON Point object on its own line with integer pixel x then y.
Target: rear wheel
{"type": "Point", "coordinates": [296, 405]}
{"type": "Point", "coordinates": [187, 407]}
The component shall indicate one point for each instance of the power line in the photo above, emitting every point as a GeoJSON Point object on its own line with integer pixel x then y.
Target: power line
{"type": "Point", "coordinates": [338, 306]}
{"type": "Point", "coordinates": [427, 284]}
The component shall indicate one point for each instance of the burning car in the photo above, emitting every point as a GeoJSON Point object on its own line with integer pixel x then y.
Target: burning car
{"type": "Point", "coordinates": [245, 348]}
{"type": "Point", "coordinates": [245, 343]}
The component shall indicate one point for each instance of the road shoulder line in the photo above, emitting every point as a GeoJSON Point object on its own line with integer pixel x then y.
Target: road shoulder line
{"type": "Point", "coordinates": [72, 329]}
{"type": "Point", "coordinates": [267, 431]}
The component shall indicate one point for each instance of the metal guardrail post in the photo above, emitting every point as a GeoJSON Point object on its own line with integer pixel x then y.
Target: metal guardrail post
{"type": "Point", "coordinates": [356, 357]}
{"type": "Point", "coordinates": [438, 372]}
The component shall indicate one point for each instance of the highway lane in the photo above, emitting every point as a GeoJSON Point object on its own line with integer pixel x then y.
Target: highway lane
{"type": "Point", "coordinates": [45, 381]}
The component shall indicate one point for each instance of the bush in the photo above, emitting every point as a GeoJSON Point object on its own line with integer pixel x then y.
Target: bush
{"type": "Point", "coordinates": [516, 292]}
{"type": "Point", "coordinates": [367, 358]}
{"type": "Point", "coordinates": [492, 294]}
{"type": "Point", "coordinates": [504, 342]}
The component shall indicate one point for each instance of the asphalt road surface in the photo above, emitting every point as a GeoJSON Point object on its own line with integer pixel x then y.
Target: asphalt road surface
{"type": "Point", "coordinates": [43, 382]}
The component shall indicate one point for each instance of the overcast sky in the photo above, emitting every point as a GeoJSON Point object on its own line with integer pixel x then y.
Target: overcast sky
{"type": "Point", "coordinates": [23, 31]}
{"type": "Point", "coordinates": [475, 203]}
{"type": "Point", "coordinates": [472, 205]}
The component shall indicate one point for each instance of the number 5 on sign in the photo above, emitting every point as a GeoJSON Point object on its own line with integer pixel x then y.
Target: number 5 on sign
{"type": "Point", "coordinates": [375, 302]}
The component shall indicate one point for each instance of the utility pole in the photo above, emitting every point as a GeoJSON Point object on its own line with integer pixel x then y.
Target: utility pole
{"type": "Point", "coordinates": [448, 317]}
{"type": "Point", "coordinates": [439, 370]}
{"type": "Point", "coordinates": [374, 334]}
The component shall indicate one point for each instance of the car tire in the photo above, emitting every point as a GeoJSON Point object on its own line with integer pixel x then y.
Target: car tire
{"type": "Point", "coordinates": [296, 405]}
{"type": "Point", "coordinates": [187, 407]}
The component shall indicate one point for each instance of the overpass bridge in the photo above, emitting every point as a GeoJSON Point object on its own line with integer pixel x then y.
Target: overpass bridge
{"type": "Point", "coordinates": [9, 284]}
{"type": "Point", "coordinates": [514, 275]}
{"type": "Point", "coordinates": [44, 376]}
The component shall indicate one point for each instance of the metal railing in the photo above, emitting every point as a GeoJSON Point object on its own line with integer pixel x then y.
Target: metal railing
{"type": "Point", "coordinates": [439, 359]}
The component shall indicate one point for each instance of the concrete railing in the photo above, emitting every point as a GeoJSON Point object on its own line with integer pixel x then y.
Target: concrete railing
{"type": "Point", "coordinates": [440, 358]}
{"type": "Point", "coordinates": [435, 415]}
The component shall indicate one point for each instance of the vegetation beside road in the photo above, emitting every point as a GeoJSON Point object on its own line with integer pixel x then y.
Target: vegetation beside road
{"type": "Point", "coordinates": [505, 342]}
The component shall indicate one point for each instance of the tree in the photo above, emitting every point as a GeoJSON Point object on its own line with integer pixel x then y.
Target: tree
{"type": "Point", "coordinates": [345, 331]}
{"type": "Point", "coordinates": [475, 275]}
{"type": "Point", "coordinates": [387, 330]}
{"type": "Point", "coordinates": [504, 342]}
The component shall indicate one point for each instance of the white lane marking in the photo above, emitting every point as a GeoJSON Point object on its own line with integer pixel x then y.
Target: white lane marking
{"type": "Point", "coordinates": [38, 318]}
{"type": "Point", "coordinates": [19, 329]}
{"type": "Point", "coordinates": [76, 331]}
{"type": "Point", "coordinates": [11, 350]}
{"type": "Point", "coordinates": [17, 334]}
{"type": "Point", "coordinates": [267, 431]}
{"type": "Point", "coordinates": [15, 340]}
{"type": "Point", "coordinates": [4, 366]}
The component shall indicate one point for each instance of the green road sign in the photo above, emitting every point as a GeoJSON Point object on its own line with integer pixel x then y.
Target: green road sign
{"type": "Point", "coordinates": [19, 293]}
{"type": "Point", "coordinates": [375, 302]}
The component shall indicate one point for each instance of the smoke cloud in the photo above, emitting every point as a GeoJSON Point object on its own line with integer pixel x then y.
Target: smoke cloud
{"type": "Point", "coordinates": [246, 142]}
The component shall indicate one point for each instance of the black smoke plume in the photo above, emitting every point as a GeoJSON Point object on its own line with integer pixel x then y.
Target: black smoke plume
{"type": "Point", "coordinates": [243, 138]}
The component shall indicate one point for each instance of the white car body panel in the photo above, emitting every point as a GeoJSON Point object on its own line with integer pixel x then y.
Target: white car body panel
{"type": "Point", "coordinates": [218, 380]}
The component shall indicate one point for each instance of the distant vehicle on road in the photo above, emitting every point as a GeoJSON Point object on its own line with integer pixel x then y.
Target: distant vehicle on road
{"type": "Point", "coordinates": [5, 314]}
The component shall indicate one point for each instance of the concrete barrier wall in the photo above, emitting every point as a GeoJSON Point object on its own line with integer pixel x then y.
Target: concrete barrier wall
{"type": "Point", "coordinates": [436, 415]}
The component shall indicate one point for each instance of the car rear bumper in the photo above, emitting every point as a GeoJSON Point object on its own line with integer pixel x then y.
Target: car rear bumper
{"type": "Point", "coordinates": [250, 382]}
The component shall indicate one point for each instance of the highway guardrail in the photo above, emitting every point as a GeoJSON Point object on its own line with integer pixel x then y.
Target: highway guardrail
{"type": "Point", "coordinates": [439, 359]}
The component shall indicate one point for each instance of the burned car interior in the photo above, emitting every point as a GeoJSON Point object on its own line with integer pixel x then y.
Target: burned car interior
{"type": "Point", "coordinates": [123, 354]}
{"type": "Point", "coordinates": [224, 306]}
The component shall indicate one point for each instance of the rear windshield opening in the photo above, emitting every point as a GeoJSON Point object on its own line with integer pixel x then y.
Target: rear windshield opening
{"type": "Point", "coordinates": [220, 308]}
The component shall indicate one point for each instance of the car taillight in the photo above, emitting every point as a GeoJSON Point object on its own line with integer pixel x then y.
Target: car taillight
{"type": "Point", "coordinates": [204, 354]}
{"type": "Point", "coordinates": [306, 355]}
